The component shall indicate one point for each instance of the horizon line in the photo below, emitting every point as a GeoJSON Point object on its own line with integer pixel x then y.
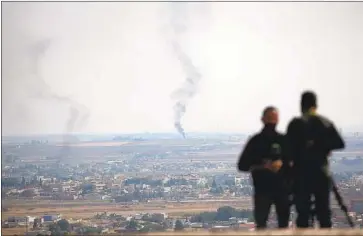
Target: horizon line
{"type": "Point", "coordinates": [120, 133]}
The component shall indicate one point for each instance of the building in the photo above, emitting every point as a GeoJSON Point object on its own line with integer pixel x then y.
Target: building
{"type": "Point", "coordinates": [51, 218]}
{"type": "Point", "coordinates": [17, 219]}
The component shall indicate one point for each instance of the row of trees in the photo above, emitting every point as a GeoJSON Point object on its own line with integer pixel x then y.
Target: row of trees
{"type": "Point", "coordinates": [134, 226]}
{"type": "Point", "coordinates": [63, 227]}
{"type": "Point", "coordinates": [222, 214]}
{"type": "Point", "coordinates": [60, 227]}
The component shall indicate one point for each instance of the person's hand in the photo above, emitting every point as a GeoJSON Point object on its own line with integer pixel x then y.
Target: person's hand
{"type": "Point", "coordinates": [267, 164]}
{"type": "Point", "coordinates": [273, 166]}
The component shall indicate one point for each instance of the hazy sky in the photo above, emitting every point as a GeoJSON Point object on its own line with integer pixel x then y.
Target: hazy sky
{"type": "Point", "coordinates": [116, 59]}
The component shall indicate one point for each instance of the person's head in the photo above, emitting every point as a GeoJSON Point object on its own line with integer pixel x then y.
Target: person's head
{"type": "Point", "coordinates": [308, 101]}
{"type": "Point", "coordinates": [270, 116]}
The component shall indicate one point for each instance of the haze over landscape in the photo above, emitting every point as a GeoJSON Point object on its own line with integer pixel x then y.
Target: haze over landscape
{"type": "Point", "coordinates": [116, 61]}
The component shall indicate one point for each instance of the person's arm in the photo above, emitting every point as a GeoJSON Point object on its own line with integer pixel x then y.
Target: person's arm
{"type": "Point", "coordinates": [246, 158]}
{"type": "Point", "coordinates": [331, 139]}
{"type": "Point", "coordinates": [290, 146]}
{"type": "Point", "coordinates": [335, 140]}
{"type": "Point", "coordinates": [286, 162]}
{"type": "Point", "coordinates": [265, 165]}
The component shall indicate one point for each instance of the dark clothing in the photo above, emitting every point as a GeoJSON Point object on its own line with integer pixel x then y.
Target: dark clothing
{"type": "Point", "coordinates": [317, 185]}
{"type": "Point", "coordinates": [262, 208]}
{"type": "Point", "coordinates": [270, 188]}
{"type": "Point", "coordinates": [310, 139]}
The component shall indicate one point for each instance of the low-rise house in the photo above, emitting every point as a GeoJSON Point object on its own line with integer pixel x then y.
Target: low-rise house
{"type": "Point", "coordinates": [66, 188]}
{"type": "Point", "coordinates": [51, 218]}
{"type": "Point", "coordinates": [100, 187]}
{"type": "Point", "coordinates": [106, 197]}
{"type": "Point", "coordinates": [138, 216]}
{"type": "Point", "coordinates": [17, 219]}
{"type": "Point", "coordinates": [167, 189]}
{"type": "Point", "coordinates": [55, 190]}
{"type": "Point", "coordinates": [196, 225]}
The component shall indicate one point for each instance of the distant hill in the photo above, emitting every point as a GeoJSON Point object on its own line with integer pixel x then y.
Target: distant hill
{"type": "Point", "coordinates": [354, 164]}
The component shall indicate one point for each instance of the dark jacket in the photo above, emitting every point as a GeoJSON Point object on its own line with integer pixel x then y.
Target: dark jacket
{"type": "Point", "coordinates": [266, 145]}
{"type": "Point", "coordinates": [310, 139]}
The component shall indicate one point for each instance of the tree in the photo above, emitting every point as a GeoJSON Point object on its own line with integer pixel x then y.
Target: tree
{"type": "Point", "coordinates": [179, 226]}
{"type": "Point", "coordinates": [226, 212]}
{"type": "Point", "coordinates": [218, 190]}
{"type": "Point", "coordinates": [63, 225]}
{"type": "Point", "coordinates": [91, 230]}
{"type": "Point", "coordinates": [204, 217]}
{"type": "Point", "coordinates": [9, 182]}
{"type": "Point", "coordinates": [132, 226]}
{"type": "Point", "coordinates": [54, 229]}
{"type": "Point", "coordinates": [165, 225]}
{"type": "Point", "coordinates": [124, 198]}
{"type": "Point", "coordinates": [137, 194]}
{"type": "Point", "coordinates": [214, 184]}
{"type": "Point", "coordinates": [88, 188]}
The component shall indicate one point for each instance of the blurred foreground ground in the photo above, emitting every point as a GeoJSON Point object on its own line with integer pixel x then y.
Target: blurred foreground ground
{"type": "Point", "coordinates": [21, 231]}
{"type": "Point", "coordinates": [272, 232]}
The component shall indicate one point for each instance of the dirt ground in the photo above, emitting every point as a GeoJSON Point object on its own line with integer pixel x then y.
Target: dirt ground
{"type": "Point", "coordinates": [89, 210]}
{"type": "Point", "coordinates": [13, 231]}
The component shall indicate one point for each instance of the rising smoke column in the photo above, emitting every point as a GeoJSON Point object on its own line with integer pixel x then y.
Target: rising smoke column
{"type": "Point", "coordinates": [77, 112]}
{"type": "Point", "coordinates": [190, 86]}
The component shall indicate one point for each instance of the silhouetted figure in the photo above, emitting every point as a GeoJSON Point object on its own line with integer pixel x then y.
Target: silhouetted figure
{"type": "Point", "coordinates": [311, 138]}
{"type": "Point", "coordinates": [263, 156]}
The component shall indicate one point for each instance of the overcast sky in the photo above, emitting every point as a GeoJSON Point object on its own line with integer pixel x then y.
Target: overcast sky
{"type": "Point", "coordinates": [116, 59]}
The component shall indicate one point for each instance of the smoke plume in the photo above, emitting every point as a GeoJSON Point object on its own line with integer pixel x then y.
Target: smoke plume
{"type": "Point", "coordinates": [77, 111]}
{"type": "Point", "coordinates": [189, 88]}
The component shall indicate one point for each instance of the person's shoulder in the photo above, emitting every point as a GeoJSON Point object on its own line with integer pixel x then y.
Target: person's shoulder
{"type": "Point", "coordinates": [324, 120]}
{"type": "Point", "coordinates": [295, 121]}
{"type": "Point", "coordinates": [254, 137]}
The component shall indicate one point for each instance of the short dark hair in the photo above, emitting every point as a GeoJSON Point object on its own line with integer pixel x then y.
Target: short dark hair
{"type": "Point", "coordinates": [268, 109]}
{"type": "Point", "coordinates": [308, 100]}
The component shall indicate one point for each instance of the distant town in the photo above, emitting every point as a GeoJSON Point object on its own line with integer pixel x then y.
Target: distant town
{"type": "Point", "coordinates": [143, 183]}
